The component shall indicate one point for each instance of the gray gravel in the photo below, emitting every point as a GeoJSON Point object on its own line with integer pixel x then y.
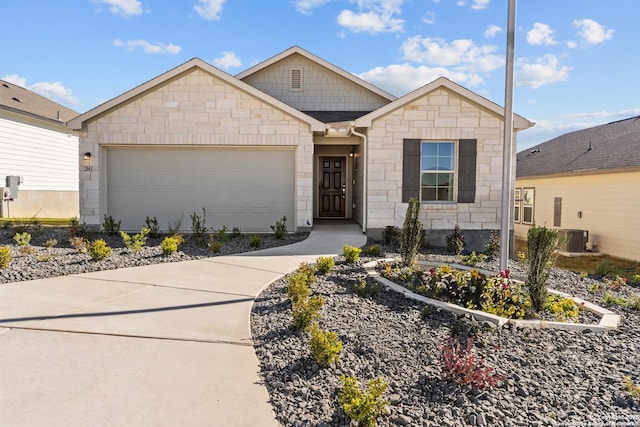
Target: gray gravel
{"type": "Point", "coordinates": [552, 377]}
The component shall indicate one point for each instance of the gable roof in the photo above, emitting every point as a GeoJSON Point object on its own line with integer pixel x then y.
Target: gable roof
{"type": "Point", "coordinates": [78, 122]}
{"type": "Point", "coordinates": [298, 50]}
{"type": "Point", "coordinates": [614, 145]}
{"type": "Point", "coordinates": [27, 103]}
{"type": "Point", "coordinates": [519, 122]}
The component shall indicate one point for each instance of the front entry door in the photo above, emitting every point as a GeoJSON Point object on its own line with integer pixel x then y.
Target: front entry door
{"type": "Point", "coordinates": [333, 187]}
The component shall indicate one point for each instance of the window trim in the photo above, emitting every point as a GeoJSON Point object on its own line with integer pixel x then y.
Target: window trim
{"type": "Point", "coordinates": [532, 205]}
{"type": "Point", "coordinates": [517, 205]}
{"type": "Point", "coordinates": [454, 193]}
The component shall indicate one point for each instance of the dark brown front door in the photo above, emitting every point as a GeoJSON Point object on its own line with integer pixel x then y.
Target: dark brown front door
{"type": "Point", "coordinates": [333, 189]}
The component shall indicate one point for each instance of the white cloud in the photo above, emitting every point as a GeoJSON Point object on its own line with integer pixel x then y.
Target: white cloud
{"type": "Point", "coordinates": [480, 4]}
{"type": "Point", "coordinates": [429, 18]}
{"type": "Point", "coordinates": [400, 79]}
{"type": "Point", "coordinates": [591, 31]}
{"type": "Point", "coordinates": [571, 44]}
{"type": "Point", "coordinates": [53, 91]}
{"type": "Point", "coordinates": [540, 34]}
{"type": "Point", "coordinates": [305, 6]}
{"type": "Point", "coordinates": [545, 70]}
{"type": "Point", "coordinates": [209, 9]}
{"type": "Point", "coordinates": [463, 55]}
{"type": "Point", "coordinates": [122, 7]}
{"type": "Point", "coordinates": [227, 60]}
{"type": "Point", "coordinates": [373, 16]}
{"type": "Point", "coordinates": [149, 48]}
{"type": "Point", "coordinates": [492, 31]}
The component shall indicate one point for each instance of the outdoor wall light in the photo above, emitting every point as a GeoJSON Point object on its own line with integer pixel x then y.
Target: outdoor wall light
{"type": "Point", "coordinates": [87, 156]}
{"type": "Point", "coordinates": [350, 153]}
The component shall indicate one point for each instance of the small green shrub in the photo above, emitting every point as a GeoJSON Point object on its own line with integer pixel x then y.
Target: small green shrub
{"type": "Point", "coordinates": [46, 258]}
{"type": "Point", "coordinates": [372, 250]}
{"type": "Point", "coordinates": [411, 233]}
{"type": "Point", "coordinates": [631, 388]}
{"type": "Point", "coordinates": [255, 241]}
{"type": "Point", "coordinates": [280, 229]}
{"type": "Point", "coordinates": [542, 243]}
{"type": "Point", "coordinates": [363, 407]}
{"type": "Point", "coordinates": [632, 303]}
{"type": "Point", "coordinates": [110, 226]}
{"type": "Point", "coordinates": [223, 235]}
{"type": "Point", "coordinates": [603, 269]}
{"type": "Point", "coordinates": [492, 248]}
{"type": "Point", "coordinates": [137, 242]}
{"type": "Point", "coordinates": [235, 233]}
{"type": "Point", "coordinates": [305, 311]}
{"type": "Point", "coordinates": [198, 225]}
{"type": "Point", "coordinates": [26, 250]}
{"type": "Point", "coordinates": [22, 239]}
{"type": "Point", "coordinates": [50, 243]}
{"type": "Point", "coordinates": [325, 346]}
{"type": "Point", "coordinates": [391, 235]}
{"type": "Point", "coordinates": [152, 225]}
{"type": "Point", "coordinates": [300, 282]}
{"type": "Point", "coordinates": [98, 250]}
{"type": "Point", "coordinates": [473, 259]}
{"type": "Point", "coordinates": [325, 264]}
{"type": "Point", "coordinates": [214, 246]}
{"type": "Point", "coordinates": [79, 243]}
{"type": "Point", "coordinates": [169, 245]}
{"type": "Point", "coordinates": [366, 289]}
{"type": "Point", "coordinates": [5, 257]}
{"type": "Point", "coordinates": [455, 240]}
{"type": "Point", "coordinates": [76, 228]}
{"type": "Point", "coordinates": [351, 254]}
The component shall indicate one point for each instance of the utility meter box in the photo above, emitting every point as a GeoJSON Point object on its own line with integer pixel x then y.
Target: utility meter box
{"type": "Point", "coordinates": [12, 183]}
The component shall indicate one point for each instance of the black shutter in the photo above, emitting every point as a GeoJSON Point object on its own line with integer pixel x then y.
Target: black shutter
{"type": "Point", "coordinates": [467, 153]}
{"type": "Point", "coordinates": [410, 169]}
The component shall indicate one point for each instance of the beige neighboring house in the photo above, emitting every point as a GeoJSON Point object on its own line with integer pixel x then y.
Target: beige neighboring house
{"type": "Point", "coordinates": [293, 136]}
{"type": "Point", "coordinates": [587, 180]}
{"type": "Point", "coordinates": [36, 146]}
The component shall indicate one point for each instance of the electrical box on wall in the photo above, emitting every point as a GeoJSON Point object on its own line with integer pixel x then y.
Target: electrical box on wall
{"type": "Point", "coordinates": [12, 183]}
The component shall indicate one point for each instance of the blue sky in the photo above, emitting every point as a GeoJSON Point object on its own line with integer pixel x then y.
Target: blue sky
{"type": "Point", "coordinates": [576, 60]}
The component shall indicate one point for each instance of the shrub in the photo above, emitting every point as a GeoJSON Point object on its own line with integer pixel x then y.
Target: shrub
{"type": "Point", "coordinates": [473, 259]}
{"type": "Point", "coordinates": [110, 226]}
{"type": "Point", "coordinates": [22, 239]}
{"type": "Point", "coordinates": [5, 257]}
{"type": "Point", "coordinates": [299, 282]}
{"type": "Point", "coordinates": [80, 244]}
{"type": "Point", "coordinates": [175, 226]}
{"type": "Point", "coordinates": [542, 243]}
{"type": "Point", "coordinates": [235, 233]}
{"type": "Point", "coordinates": [135, 243]}
{"type": "Point", "coordinates": [325, 264]}
{"type": "Point", "coordinates": [325, 346]}
{"type": "Point", "coordinates": [351, 254]}
{"type": "Point", "coordinates": [46, 258]}
{"type": "Point", "coordinates": [363, 407]}
{"type": "Point", "coordinates": [26, 250]}
{"type": "Point", "coordinates": [214, 246]}
{"type": "Point", "coordinates": [603, 268]}
{"type": "Point", "coordinates": [76, 228]}
{"type": "Point", "coordinates": [461, 365]}
{"type": "Point", "coordinates": [492, 248]}
{"type": "Point", "coordinates": [411, 233]}
{"type": "Point", "coordinates": [631, 388]}
{"type": "Point", "coordinates": [98, 250]}
{"type": "Point", "coordinates": [372, 250]}
{"type": "Point", "coordinates": [169, 245]}
{"type": "Point", "coordinates": [391, 235]}
{"type": "Point", "coordinates": [366, 289]}
{"type": "Point", "coordinates": [632, 303]}
{"type": "Point", "coordinates": [455, 241]}
{"type": "Point", "coordinates": [280, 229]}
{"type": "Point", "coordinates": [198, 225]}
{"type": "Point", "coordinates": [223, 234]}
{"type": "Point", "coordinates": [616, 283]}
{"type": "Point", "coordinates": [50, 243]}
{"type": "Point", "coordinates": [305, 311]}
{"type": "Point", "coordinates": [152, 225]}
{"type": "Point", "coordinates": [255, 241]}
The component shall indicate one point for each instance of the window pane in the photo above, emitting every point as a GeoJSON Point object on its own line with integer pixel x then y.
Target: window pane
{"type": "Point", "coordinates": [445, 180]}
{"type": "Point", "coordinates": [429, 149]}
{"type": "Point", "coordinates": [429, 179]}
{"type": "Point", "coordinates": [444, 193]}
{"type": "Point", "coordinates": [428, 193]}
{"type": "Point", "coordinates": [527, 215]}
{"type": "Point", "coordinates": [429, 163]}
{"type": "Point", "coordinates": [516, 213]}
{"type": "Point", "coordinates": [445, 149]}
{"type": "Point", "coordinates": [445, 163]}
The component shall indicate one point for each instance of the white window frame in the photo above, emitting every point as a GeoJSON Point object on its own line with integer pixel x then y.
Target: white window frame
{"type": "Point", "coordinates": [454, 171]}
{"type": "Point", "coordinates": [528, 202]}
{"type": "Point", "coordinates": [517, 205]}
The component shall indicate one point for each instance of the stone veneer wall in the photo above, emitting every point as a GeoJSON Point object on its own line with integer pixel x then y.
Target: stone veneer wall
{"type": "Point", "coordinates": [439, 116]}
{"type": "Point", "coordinates": [194, 109]}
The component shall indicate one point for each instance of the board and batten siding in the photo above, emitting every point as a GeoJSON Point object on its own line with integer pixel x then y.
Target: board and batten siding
{"type": "Point", "coordinates": [608, 204]}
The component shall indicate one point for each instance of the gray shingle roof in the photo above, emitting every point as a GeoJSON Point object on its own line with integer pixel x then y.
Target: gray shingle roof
{"type": "Point", "coordinates": [20, 100]}
{"type": "Point", "coordinates": [611, 146]}
{"type": "Point", "coordinates": [336, 116]}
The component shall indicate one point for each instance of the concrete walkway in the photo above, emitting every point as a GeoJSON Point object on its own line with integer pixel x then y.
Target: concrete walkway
{"type": "Point", "coordinates": [161, 345]}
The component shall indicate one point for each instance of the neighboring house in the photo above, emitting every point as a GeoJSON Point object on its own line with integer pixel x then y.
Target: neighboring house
{"type": "Point", "coordinates": [36, 145]}
{"type": "Point", "coordinates": [293, 136]}
{"type": "Point", "coordinates": [586, 180]}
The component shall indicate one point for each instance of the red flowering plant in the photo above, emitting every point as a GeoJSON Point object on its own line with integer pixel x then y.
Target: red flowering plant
{"type": "Point", "coordinates": [463, 366]}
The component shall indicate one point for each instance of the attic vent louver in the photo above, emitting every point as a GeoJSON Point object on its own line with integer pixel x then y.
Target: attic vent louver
{"type": "Point", "coordinates": [296, 79]}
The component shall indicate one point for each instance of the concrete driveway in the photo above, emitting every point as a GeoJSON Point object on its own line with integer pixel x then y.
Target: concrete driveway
{"type": "Point", "coordinates": [161, 345]}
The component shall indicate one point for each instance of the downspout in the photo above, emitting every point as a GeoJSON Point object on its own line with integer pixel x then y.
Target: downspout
{"type": "Point", "coordinates": [365, 159]}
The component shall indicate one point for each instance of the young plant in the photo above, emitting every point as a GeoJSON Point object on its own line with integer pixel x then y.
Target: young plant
{"type": "Point", "coordinates": [391, 235]}
{"type": "Point", "coordinates": [214, 246]}
{"type": "Point", "coordinates": [5, 257]}
{"type": "Point", "coordinates": [473, 259]}
{"type": "Point", "coordinates": [631, 388]}
{"type": "Point", "coordinates": [542, 243]}
{"type": "Point", "coordinates": [461, 365]}
{"type": "Point", "coordinates": [325, 346]}
{"type": "Point", "coordinates": [325, 264]}
{"type": "Point", "coordinates": [169, 245]}
{"type": "Point", "coordinates": [198, 225]}
{"type": "Point", "coordinates": [300, 282]}
{"type": "Point", "coordinates": [305, 311]}
{"type": "Point", "coordinates": [77, 229]}
{"type": "Point", "coordinates": [235, 233]}
{"type": "Point", "coordinates": [364, 408]}
{"type": "Point", "coordinates": [98, 250]}
{"type": "Point", "coordinates": [22, 239]}
{"type": "Point", "coordinates": [255, 241]}
{"type": "Point", "coordinates": [411, 233]}
{"type": "Point", "coordinates": [455, 240]}
{"type": "Point", "coordinates": [603, 269]}
{"type": "Point", "coordinates": [366, 289]}
{"type": "Point", "coordinates": [50, 243]}
{"type": "Point", "coordinates": [351, 254]}
{"type": "Point", "coordinates": [372, 250]}
{"type": "Point", "coordinates": [492, 248]}
{"type": "Point", "coordinates": [137, 242]}
{"type": "Point", "coordinates": [175, 226]}
{"type": "Point", "coordinates": [152, 225]}
{"type": "Point", "coordinates": [110, 226]}
{"type": "Point", "coordinates": [223, 234]}
{"type": "Point", "coordinates": [280, 229]}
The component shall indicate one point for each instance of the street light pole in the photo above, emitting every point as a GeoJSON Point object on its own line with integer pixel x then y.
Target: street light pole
{"type": "Point", "coordinates": [507, 153]}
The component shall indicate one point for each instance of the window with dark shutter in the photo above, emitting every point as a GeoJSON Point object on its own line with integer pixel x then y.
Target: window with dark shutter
{"type": "Point", "coordinates": [410, 169]}
{"type": "Point", "coordinates": [467, 154]}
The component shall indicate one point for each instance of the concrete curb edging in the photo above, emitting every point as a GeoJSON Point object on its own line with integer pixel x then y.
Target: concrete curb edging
{"type": "Point", "coordinates": [608, 319]}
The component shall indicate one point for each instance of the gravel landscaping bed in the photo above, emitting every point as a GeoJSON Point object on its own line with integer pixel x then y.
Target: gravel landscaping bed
{"type": "Point", "coordinates": [553, 377]}
{"type": "Point", "coordinates": [63, 259]}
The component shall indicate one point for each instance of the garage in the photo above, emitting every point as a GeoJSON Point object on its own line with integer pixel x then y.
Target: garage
{"type": "Point", "coordinates": [249, 188]}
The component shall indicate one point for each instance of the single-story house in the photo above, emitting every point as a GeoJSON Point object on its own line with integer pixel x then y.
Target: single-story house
{"type": "Point", "coordinates": [292, 136]}
{"type": "Point", "coordinates": [36, 146]}
{"type": "Point", "coordinates": [587, 181]}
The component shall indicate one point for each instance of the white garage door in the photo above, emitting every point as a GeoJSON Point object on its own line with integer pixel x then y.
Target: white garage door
{"type": "Point", "coordinates": [247, 188]}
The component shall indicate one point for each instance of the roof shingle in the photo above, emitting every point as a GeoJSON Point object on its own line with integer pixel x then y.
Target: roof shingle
{"type": "Point", "coordinates": [20, 100]}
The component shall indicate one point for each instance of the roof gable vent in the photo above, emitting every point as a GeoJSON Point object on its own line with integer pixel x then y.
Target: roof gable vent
{"type": "Point", "coordinates": [295, 80]}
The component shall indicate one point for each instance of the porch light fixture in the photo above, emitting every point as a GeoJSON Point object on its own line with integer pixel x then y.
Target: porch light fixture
{"type": "Point", "coordinates": [350, 153]}
{"type": "Point", "coordinates": [87, 156]}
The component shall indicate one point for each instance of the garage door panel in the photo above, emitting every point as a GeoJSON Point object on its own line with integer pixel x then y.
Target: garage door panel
{"type": "Point", "coordinates": [249, 189]}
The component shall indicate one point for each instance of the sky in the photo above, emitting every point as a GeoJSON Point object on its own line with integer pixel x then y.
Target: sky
{"type": "Point", "coordinates": [576, 61]}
